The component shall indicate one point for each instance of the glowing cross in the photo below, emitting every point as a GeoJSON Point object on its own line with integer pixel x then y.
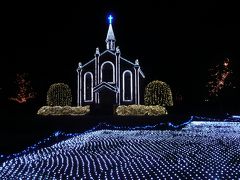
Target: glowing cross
{"type": "Point", "coordinates": [110, 18]}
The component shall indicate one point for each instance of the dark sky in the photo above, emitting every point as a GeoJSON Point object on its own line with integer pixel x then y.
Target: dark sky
{"type": "Point", "coordinates": [175, 41]}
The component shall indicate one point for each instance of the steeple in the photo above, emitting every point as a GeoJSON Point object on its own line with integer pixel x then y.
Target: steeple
{"type": "Point", "coordinates": [110, 39]}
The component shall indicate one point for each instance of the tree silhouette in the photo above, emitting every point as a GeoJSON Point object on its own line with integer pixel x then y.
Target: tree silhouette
{"type": "Point", "coordinates": [24, 89]}
{"type": "Point", "coordinates": [220, 79]}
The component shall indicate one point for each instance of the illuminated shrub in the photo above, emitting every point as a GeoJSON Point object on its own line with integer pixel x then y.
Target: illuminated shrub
{"type": "Point", "coordinates": [63, 110]}
{"type": "Point", "coordinates": [59, 94]}
{"type": "Point", "coordinates": [140, 110]}
{"type": "Point", "coordinates": [158, 93]}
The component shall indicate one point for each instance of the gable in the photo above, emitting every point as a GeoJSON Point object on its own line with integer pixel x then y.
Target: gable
{"type": "Point", "coordinates": [126, 61]}
{"type": "Point", "coordinates": [107, 56]}
{"type": "Point", "coordinates": [88, 63]}
{"type": "Point", "coordinates": [104, 85]}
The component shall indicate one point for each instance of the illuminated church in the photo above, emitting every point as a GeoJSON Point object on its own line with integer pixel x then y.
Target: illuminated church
{"type": "Point", "coordinates": [109, 78]}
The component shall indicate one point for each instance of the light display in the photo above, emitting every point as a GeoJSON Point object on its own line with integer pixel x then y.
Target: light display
{"type": "Point", "coordinates": [140, 110]}
{"type": "Point", "coordinates": [236, 116]}
{"type": "Point", "coordinates": [63, 110]}
{"type": "Point", "coordinates": [201, 150]}
{"type": "Point", "coordinates": [59, 94]}
{"type": "Point", "coordinates": [158, 93]}
{"type": "Point", "coordinates": [110, 71]}
{"type": "Point", "coordinates": [219, 78]}
{"type": "Point", "coordinates": [24, 89]}
{"type": "Point", "coordinates": [110, 18]}
{"type": "Point", "coordinates": [227, 118]}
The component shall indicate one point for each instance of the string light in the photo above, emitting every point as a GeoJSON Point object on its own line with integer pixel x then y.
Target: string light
{"type": "Point", "coordinates": [24, 89]}
{"type": "Point", "coordinates": [63, 110]}
{"type": "Point", "coordinates": [219, 78]}
{"type": "Point", "coordinates": [158, 93]}
{"type": "Point", "coordinates": [140, 110]}
{"type": "Point", "coordinates": [59, 94]}
{"type": "Point", "coordinates": [201, 150]}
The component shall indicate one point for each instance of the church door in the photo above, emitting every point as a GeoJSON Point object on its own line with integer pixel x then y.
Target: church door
{"type": "Point", "coordinates": [107, 97]}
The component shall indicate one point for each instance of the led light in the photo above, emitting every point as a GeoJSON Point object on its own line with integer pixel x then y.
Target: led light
{"type": "Point", "coordinates": [201, 150]}
{"type": "Point", "coordinates": [110, 18]}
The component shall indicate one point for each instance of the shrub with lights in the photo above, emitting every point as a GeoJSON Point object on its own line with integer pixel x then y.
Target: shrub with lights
{"type": "Point", "coordinates": [158, 93]}
{"type": "Point", "coordinates": [59, 94]}
{"type": "Point", "coordinates": [63, 110]}
{"type": "Point", "coordinates": [140, 110]}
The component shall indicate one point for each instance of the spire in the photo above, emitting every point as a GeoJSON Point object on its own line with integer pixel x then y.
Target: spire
{"type": "Point", "coordinates": [110, 39]}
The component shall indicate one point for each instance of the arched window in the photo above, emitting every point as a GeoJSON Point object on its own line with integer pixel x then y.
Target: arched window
{"type": "Point", "coordinates": [127, 86]}
{"type": "Point", "coordinates": [88, 87]}
{"type": "Point", "coordinates": [107, 72]}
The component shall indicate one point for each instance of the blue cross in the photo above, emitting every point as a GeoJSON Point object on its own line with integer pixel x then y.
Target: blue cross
{"type": "Point", "coordinates": [110, 18]}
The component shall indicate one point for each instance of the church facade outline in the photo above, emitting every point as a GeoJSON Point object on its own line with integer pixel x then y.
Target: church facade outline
{"type": "Point", "coordinates": [110, 73]}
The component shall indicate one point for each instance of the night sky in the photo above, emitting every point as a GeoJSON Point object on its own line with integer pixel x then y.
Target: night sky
{"type": "Point", "coordinates": [175, 41]}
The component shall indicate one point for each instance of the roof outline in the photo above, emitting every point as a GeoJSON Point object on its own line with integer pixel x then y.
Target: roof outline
{"type": "Point", "coordinates": [105, 84]}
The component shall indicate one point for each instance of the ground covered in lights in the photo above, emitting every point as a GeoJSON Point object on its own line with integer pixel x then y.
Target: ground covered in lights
{"type": "Point", "coordinates": [201, 150]}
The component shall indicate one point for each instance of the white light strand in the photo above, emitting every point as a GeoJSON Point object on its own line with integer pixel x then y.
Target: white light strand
{"type": "Point", "coordinates": [201, 150]}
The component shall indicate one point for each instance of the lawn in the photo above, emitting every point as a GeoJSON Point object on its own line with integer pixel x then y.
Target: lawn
{"type": "Point", "coordinates": [201, 150]}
